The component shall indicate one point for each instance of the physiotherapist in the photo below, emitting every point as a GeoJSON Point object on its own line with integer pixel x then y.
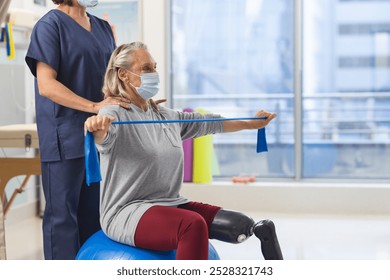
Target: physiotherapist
{"type": "Point", "coordinates": [68, 55]}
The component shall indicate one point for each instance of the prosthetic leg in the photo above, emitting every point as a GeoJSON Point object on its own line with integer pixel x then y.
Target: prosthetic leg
{"type": "Point", "coordinates": [235, 227]}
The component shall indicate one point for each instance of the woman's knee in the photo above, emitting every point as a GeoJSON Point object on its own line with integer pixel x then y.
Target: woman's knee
{"type": "Point", "coordinates": [194, 224]}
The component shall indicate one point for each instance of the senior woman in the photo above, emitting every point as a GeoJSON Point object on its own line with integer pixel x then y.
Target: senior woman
{"type": "Point", "coordinates": [142, 168]}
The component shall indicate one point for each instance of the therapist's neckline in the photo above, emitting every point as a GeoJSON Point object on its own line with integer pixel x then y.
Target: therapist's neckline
{"type": "Point", "coordinates": [76, 18]}
{"type": "Point", "coordinates": [73, 12]}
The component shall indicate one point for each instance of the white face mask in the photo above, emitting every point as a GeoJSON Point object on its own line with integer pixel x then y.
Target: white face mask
{"type": "Point", "coordinates": [88, 3]}
{"type": "Point", "coordinates": [150, 84]}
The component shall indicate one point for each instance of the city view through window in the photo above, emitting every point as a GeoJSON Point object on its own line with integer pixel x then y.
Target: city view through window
{"type": "Point", "coordinates": [237, 56]}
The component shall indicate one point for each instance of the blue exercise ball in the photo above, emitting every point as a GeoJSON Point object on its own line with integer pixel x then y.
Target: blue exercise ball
{"type": "Point", "coordinates": [100, 247]}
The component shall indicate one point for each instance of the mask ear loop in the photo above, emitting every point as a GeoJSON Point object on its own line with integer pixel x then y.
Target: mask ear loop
{"type": "Point", "coordinates": [136, 88]}
{"type": "Point", "coordinates": [133, 73]}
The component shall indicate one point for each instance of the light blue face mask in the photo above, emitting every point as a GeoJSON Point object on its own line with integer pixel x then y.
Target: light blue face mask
{"type": "Point", "coordinates": [150, 84]}
{"type": "Point", "coordinates": [88, 3]}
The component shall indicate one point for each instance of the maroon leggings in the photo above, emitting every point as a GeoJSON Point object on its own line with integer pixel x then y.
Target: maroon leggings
{"type": "Point", "coordinates": [184, 229]}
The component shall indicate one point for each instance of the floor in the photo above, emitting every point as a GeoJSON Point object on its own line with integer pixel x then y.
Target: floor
{"type": "Point", "coordinates": [301, 238]}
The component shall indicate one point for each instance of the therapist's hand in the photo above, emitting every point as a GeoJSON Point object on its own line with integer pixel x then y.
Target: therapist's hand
{"type": "Point", "coordinates": [120, 101]}
{"type": "Point", "coordinates": [155, 103]}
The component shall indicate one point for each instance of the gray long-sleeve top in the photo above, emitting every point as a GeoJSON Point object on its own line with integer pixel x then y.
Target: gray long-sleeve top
{"type": "Point", "coordinates": [142, 165]}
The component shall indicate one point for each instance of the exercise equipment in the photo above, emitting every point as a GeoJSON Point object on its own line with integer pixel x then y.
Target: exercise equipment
{"type": "Point", "coordinates": [100, 247]}
{"type": "Point", "coordinates": [202, 160]}
{"type": "Point", "coordinates": [92, 166]}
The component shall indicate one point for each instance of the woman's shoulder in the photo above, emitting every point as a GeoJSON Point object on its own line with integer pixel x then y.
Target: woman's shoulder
{"type": "Point", "coordinates": [178, 114]}
{"type": "Point", "coordinates": [112, 110]}
{"type": "Point", "coordinates": [116, 111]}
{"type": "Point", "coordinates": [166, 109]}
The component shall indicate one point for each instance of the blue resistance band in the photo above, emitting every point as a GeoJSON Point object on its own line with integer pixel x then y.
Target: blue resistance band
{"type": "Point", "coordinates": [92, 165]}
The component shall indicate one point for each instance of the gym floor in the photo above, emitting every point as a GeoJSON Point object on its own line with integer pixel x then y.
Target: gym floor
{"type": "Point", "coordinates": [300, 237]}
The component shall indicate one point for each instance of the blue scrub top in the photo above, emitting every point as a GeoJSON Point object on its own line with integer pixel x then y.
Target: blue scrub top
{"type": "Point", "coordinates": [80, 59]}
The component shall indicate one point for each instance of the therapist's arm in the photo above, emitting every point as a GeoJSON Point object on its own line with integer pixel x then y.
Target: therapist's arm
{"type": "Point", "coordinates": [232, 126]}
{"type": "Point", "coordinates": [54, 90]}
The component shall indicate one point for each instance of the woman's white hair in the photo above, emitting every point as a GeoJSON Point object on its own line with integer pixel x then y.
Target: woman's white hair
{"type": "Point", "coordinates": [120, 58]}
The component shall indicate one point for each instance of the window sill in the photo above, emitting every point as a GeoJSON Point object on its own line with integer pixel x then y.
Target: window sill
{"type": "Point", "coordinates": [295, 198]}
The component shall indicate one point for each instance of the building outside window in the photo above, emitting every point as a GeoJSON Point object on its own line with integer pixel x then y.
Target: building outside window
{"type": "Point", "coordinates": [237, 56]}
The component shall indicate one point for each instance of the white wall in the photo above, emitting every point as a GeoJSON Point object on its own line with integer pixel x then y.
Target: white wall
{"type": "Point", "coordinates": [154, 26]}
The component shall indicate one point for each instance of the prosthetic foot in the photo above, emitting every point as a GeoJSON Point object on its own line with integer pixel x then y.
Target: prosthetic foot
{"type": "Point", "coordinates": [265, 231]}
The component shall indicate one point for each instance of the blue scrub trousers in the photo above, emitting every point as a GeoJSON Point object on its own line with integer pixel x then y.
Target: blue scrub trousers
{"type": "Point", "coordinates": [71, 213]}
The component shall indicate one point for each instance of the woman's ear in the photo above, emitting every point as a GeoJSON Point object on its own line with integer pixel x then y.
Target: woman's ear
{"type": "Point", "coordinates": [122, 75]}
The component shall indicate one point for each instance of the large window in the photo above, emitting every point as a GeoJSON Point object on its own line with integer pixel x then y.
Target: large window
{"type": "Point", "coordinates": [346, 92]}
{"type": "Point", "coordinates": [236, 56]}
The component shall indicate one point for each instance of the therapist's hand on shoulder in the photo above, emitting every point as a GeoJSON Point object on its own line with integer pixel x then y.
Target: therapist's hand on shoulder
{"type": "Point", "coordinates": [120, 101]}
{"type": "Point", "coordinates": [155, 103]}
{"type": "Point", "coordinates": [99, 126]}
